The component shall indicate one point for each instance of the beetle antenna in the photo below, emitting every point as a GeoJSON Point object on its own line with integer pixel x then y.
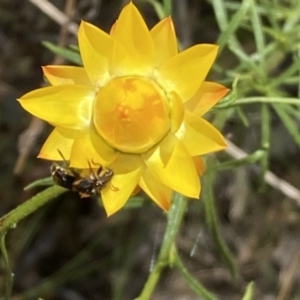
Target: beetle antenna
{"type": "Point", "coordinates": [67, 165]}
{"type": "Point", "coordinates": [91, 169]}
{"type": "Point", "coordinates": [62, 156]}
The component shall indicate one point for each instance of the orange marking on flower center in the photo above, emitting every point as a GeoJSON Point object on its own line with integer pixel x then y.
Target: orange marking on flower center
{"type": "Point", "coordinates": [123, 112]}
{"type": "Point", "coordinates": [130, 85]}
{"type": "Point", "coordinates": [131, 114]}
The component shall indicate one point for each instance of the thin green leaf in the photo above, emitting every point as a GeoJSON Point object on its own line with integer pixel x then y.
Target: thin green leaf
{"type": "Point", "coordinates": [257, 28]}
{"type": "Point", "coordinates": [242, 116]}
{"type": "Point", "coordinates": [74, 47]}
{"type": "Point", "coordinates": [284, 76]}
{"type": "Point", "coordinates": [265, 142]}
{"type": "Point", "coordinates": [158, 7]}
{"type": "Point", "coordinates": [167, 7]}
{"type": "Point", "coordinates": [8, 272]}
{"type": "Point", "coordinates": [193, 284]}
{"type": "Point", "coordinates": [288, 122]}
{"type": "Point", "coordinates": [133, 202]}
{"type": "Point", "coordinates": [47, 181]}
{"type": "Point", "coordinates": [293, 111]}
{"type": "Point", "coordinates": [250, 100]}
{"type": "Point", "coordinates": [265, 126]}
{"type": "Point", "coordinates": [293, 19]}
{"type": "Point", "coordinates": [235, 163]}
{"type": "Point", "coordinates": [230, 98]}
{"type": "Point", "coordinates": [220, 13]}
{"type": "Point", "coordinates": [212, 224]}
{"type": "Point", "coordinates": [71, 55]}
{"type": "Point", "coordinates": [232, 26]}
{"type": "Point", "coordinates": [271, 15]}
{"type": "Point", "coordinates": [233, 43]}
{"type": "Point", "coordinates": [249, 292]}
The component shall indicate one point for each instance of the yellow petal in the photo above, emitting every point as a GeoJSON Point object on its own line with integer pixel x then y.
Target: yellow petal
{"type": "Point", "coordinates": [96, 51]}
{"type": "Point", "coordinates": [132, 33]}
{"type": "Point", "coordinates": [88, 146]}
{"type": "Point", "coordinates": [165, 43]}
{"type": "Point", "coordinates": [176, 111]}
{"type": "Point", "coordinates": [157, 191]}
{"type": "Point", "coordinates": [127, 172]}
{"type": "Point", "coordinates": [171, 164]}
{"type": "Point", "coordinates": [68, 106]}
{"type": "Point", "coordinates": [60, 139]}
{"type": "Point", "coordinates": [60, 75]}
{"type": "Point", "coordinates": [199, 136]}
{"type": "Point", "coordinates": [206, 97]}
{"type": "Point", "coordinates": [200, 166]}
{"type": "Point", "coordinates": [113, 28]}
{"type": "Point", "coordinates": [185, 72]}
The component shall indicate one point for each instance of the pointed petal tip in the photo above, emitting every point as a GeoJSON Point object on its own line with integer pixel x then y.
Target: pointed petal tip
{"type": "Point", "coordinates": [167, 21]}
{"type": "Point", "coordinates": [108, 201]}
{"type": "Point", "coordinates": [130, 6]}
{"type": "Point", "coordinates": [40, 155]}
{"type": "Point", "coordinates": [109, 213]}
{"type": "Point", "coordinates": [125, 180]}
{"type": "Point", "coordinates": [196, 193]}
{"type": "Point", "coordinates": [47, 69]}
{"type": "Point", "coordinates": [84, 26]}
{"type": "Point", "coordinates": [223, 143]}
{"type": "Point", "coordinates": [178, 73]}
{"type": "Point", "coordinates": [165, 205]}
{"type": "Point", "coordinates": [210, 48]}
{"type": "Point", "coordinates": [222, 92]}
{"type": "Point", "coordinates": [109, 209]}
{"type": "Point", "coordinates": [164, 161]}
{"type": "Point", "coordinates": [82, 23]}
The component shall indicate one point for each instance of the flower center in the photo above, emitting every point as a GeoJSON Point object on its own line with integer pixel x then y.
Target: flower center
{"type": "Point", "coordinates": [131, 114]}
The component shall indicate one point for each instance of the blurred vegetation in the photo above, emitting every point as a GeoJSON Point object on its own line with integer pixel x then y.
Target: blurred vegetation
{"type": "Point", "coordinates": [241, 241]}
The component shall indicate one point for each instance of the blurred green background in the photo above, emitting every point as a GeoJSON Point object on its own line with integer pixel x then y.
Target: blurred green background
{"type": "Point", "coordinates": [247, 221]}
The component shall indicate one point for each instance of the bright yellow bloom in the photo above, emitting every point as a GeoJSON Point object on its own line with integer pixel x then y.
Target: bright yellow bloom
{"type": "Point", "coordinates": [135, 107]}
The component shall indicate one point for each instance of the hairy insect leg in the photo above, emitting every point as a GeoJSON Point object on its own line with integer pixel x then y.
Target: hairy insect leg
{"type": "Point", "coordinates": [114, 188]}
{"type": "Point", "coordinates": [91, 170]}
{"type": "Point", "coordinates": [96, 164]}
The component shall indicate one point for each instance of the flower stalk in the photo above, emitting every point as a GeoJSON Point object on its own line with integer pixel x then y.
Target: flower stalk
{"type": "Point", "coordinates": [11, 219]}
{"type": "Point", "coordinates": [166, 254]}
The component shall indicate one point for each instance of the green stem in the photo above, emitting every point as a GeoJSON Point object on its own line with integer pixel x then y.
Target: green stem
{"type": "Point", "coordinates": [9, 275]}
{"type": "Point", "coordinates": [192, 282]}
{"type": "Point", "coordinates": [175, 216]}
{"type": "Point", "coordinates": [13, 217]}
{"type": "Point", "coordinates": [251, 100]}
{"type": "Point", "coordinates": [167, 7]}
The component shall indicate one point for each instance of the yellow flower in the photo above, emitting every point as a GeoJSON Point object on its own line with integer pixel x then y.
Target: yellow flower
{"type": "Point", "coordinates": [135, 107]}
